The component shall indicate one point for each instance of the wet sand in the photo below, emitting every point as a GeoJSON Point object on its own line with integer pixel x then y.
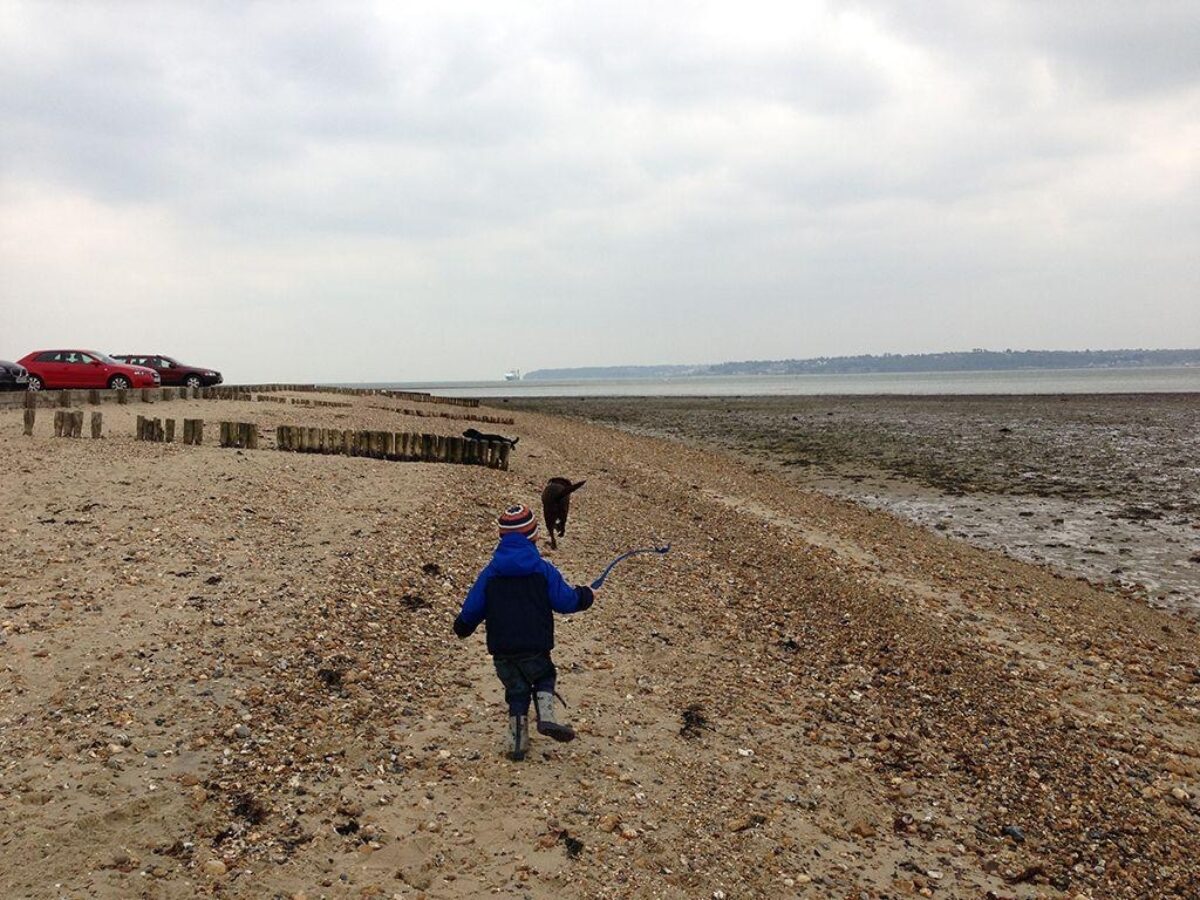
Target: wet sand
{"type": "Point", "coordinates": [232, 674]}
{"type": "Point", "coordinates": [1102, 486]}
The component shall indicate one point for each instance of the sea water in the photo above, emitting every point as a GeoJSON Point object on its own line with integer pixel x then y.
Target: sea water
{"type": "Point", "coordinates": [1020, 381]}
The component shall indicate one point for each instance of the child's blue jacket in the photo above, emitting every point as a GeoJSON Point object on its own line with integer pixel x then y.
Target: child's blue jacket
{"type": "Point", "coordinates": [517, 594]}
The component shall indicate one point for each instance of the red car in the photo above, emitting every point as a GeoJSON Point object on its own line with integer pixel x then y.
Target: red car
{"type": "Point", "coordinates": [172, 371]}
{"type": "Point", "coordinates": [72, 369]}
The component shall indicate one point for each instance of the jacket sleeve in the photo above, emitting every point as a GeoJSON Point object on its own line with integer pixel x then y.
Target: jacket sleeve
{"type": "Point", "coordinates": [474, 607]}
{"type": "Point", "coordinates": [563, 597]}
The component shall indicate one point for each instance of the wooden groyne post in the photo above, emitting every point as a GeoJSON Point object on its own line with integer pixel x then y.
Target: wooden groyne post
{"type": "Point", "coordinates": [193, 431]}
{"type": "Point", "coordinates": [239, 434]}
{"type": "Point", "coordinates": [67, 424]}
{"type": "Point", "coordinates": [150, 429]}
{"type": "Point", "coordinates": [97, 425]}
{"type": "Point", "coordinates": [30, 416]}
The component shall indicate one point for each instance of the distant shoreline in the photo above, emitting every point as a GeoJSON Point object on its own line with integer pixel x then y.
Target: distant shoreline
{"type": "Point", "coordinates": [977, 360]}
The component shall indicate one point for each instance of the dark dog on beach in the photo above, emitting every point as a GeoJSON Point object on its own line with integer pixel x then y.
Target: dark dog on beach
{"type": "Point", "coordinates": [556, 503]}
{"type": "Point", "coordinates": [472, 435]}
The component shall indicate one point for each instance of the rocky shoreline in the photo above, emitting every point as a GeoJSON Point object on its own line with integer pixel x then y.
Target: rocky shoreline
{"type": "Point", "coordinates": [232, 674]}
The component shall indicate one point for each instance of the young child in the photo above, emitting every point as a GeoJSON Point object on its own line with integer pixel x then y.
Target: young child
{"type": "Point", "coordinates": [518, 593]}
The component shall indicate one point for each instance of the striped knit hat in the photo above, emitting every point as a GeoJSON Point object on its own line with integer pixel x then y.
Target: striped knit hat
{"type": "Point", "coordinates": [518, 519]}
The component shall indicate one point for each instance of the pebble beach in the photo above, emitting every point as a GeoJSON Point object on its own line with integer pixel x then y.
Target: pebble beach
{"type": "Point", "coordinates": [231, 673]}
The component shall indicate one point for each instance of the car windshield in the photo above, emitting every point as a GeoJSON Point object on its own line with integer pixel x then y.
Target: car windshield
{"type": "Point", "coordinates": [107, 360]}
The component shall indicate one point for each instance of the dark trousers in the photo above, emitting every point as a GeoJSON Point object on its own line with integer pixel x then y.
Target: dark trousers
{"type": "Point", "coordinates": [522, 676]}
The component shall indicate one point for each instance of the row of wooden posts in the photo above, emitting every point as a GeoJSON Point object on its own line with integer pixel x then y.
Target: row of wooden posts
{"type": "Point", "coordinates": [156, 430]}
{"type": "Point", "coordinates": [429, 414]}
{"type": "Point", "coordinates": [396, 446]}
{"type": "Point", "coordinates": [302, 401]}
{"type": "Point", "coordinates": [239, 434]}
{"type": "Point", "coordinates": [416, 396]}
{"type": "Point", "coordinates": [424, 397]}
{"type": "Point", "coordinates": [401, 446]}
{"type": "Point", "coordinates": [95, 397]}
{"type": "Point", "coordinates": [69, 398]}
{"type": "Point", "coordinates": [67, 424]}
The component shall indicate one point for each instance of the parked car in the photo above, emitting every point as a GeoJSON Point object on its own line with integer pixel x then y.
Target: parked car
{"type": "Point", "coordinates": [171, 371]}
{"type": "Point", "coordinates": [70, 369]}
{"type": "Point", "coordinates": [13, 377]}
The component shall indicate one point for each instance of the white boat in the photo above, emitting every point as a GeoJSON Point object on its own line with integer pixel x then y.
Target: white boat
{"type": "Point", "coordinates": [514, 375]}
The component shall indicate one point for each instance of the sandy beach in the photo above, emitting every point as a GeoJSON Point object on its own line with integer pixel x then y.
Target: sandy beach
{"type": "Point", "coordinates": [232, 673]}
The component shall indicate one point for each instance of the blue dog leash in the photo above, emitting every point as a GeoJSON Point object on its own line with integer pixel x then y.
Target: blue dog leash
{"type": "Point", "coordinates": [599, 582]}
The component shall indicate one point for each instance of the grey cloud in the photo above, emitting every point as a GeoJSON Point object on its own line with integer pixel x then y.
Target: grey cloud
{"type": "Point", "coordinates": [1156, 49]}
{"type": "Point", "coordinates": [100, 117]}
{"type": "Point", "coordinates": [481, 176]}
{"type": "Point", "coordinates": [1107, 46]}
{"type": "Point", "coordinates": [665, 70]}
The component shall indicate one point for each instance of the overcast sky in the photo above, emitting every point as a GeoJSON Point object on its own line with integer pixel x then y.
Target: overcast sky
{"type": "Point", "coordinates": [405, 191]}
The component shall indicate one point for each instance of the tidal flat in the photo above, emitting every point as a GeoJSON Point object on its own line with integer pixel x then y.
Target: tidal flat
{"type": "Point", "coordinates": [1105, 487]}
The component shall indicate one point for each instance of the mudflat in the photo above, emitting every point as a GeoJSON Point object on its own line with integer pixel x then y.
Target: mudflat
{"type": "Point", "coordinates": [1104, 486]}
{"type": "Point", "coordinates": [232, 673]}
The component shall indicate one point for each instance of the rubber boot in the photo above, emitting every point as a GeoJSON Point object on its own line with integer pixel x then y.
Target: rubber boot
{"type": "Point", "coordinates": [518, 734]}
{"type": "Point", "coordinates": [548, 723]}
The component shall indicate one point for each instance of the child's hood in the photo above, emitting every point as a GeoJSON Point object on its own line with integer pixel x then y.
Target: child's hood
{"type": "Point", "coordinates": [516, 555]}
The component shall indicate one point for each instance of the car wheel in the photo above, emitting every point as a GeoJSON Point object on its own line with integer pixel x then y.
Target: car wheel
{"type": "Point", "coordinates": [193, 381]}
{"type": "Point", "coordinates": [35, 383]}
{"type": "Point", "coordinates": [118, 383]}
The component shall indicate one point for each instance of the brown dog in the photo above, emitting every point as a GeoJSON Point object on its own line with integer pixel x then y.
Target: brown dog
{"type": "Point", "coordinates": [556, 503]}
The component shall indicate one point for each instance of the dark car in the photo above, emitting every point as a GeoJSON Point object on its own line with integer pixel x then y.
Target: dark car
{"type": "Point", "coordinates": [171, 371]}
{"type": "Point", "coordinates": [13, 377]}
{"type": "Point", "coordinates": [71, 369]}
